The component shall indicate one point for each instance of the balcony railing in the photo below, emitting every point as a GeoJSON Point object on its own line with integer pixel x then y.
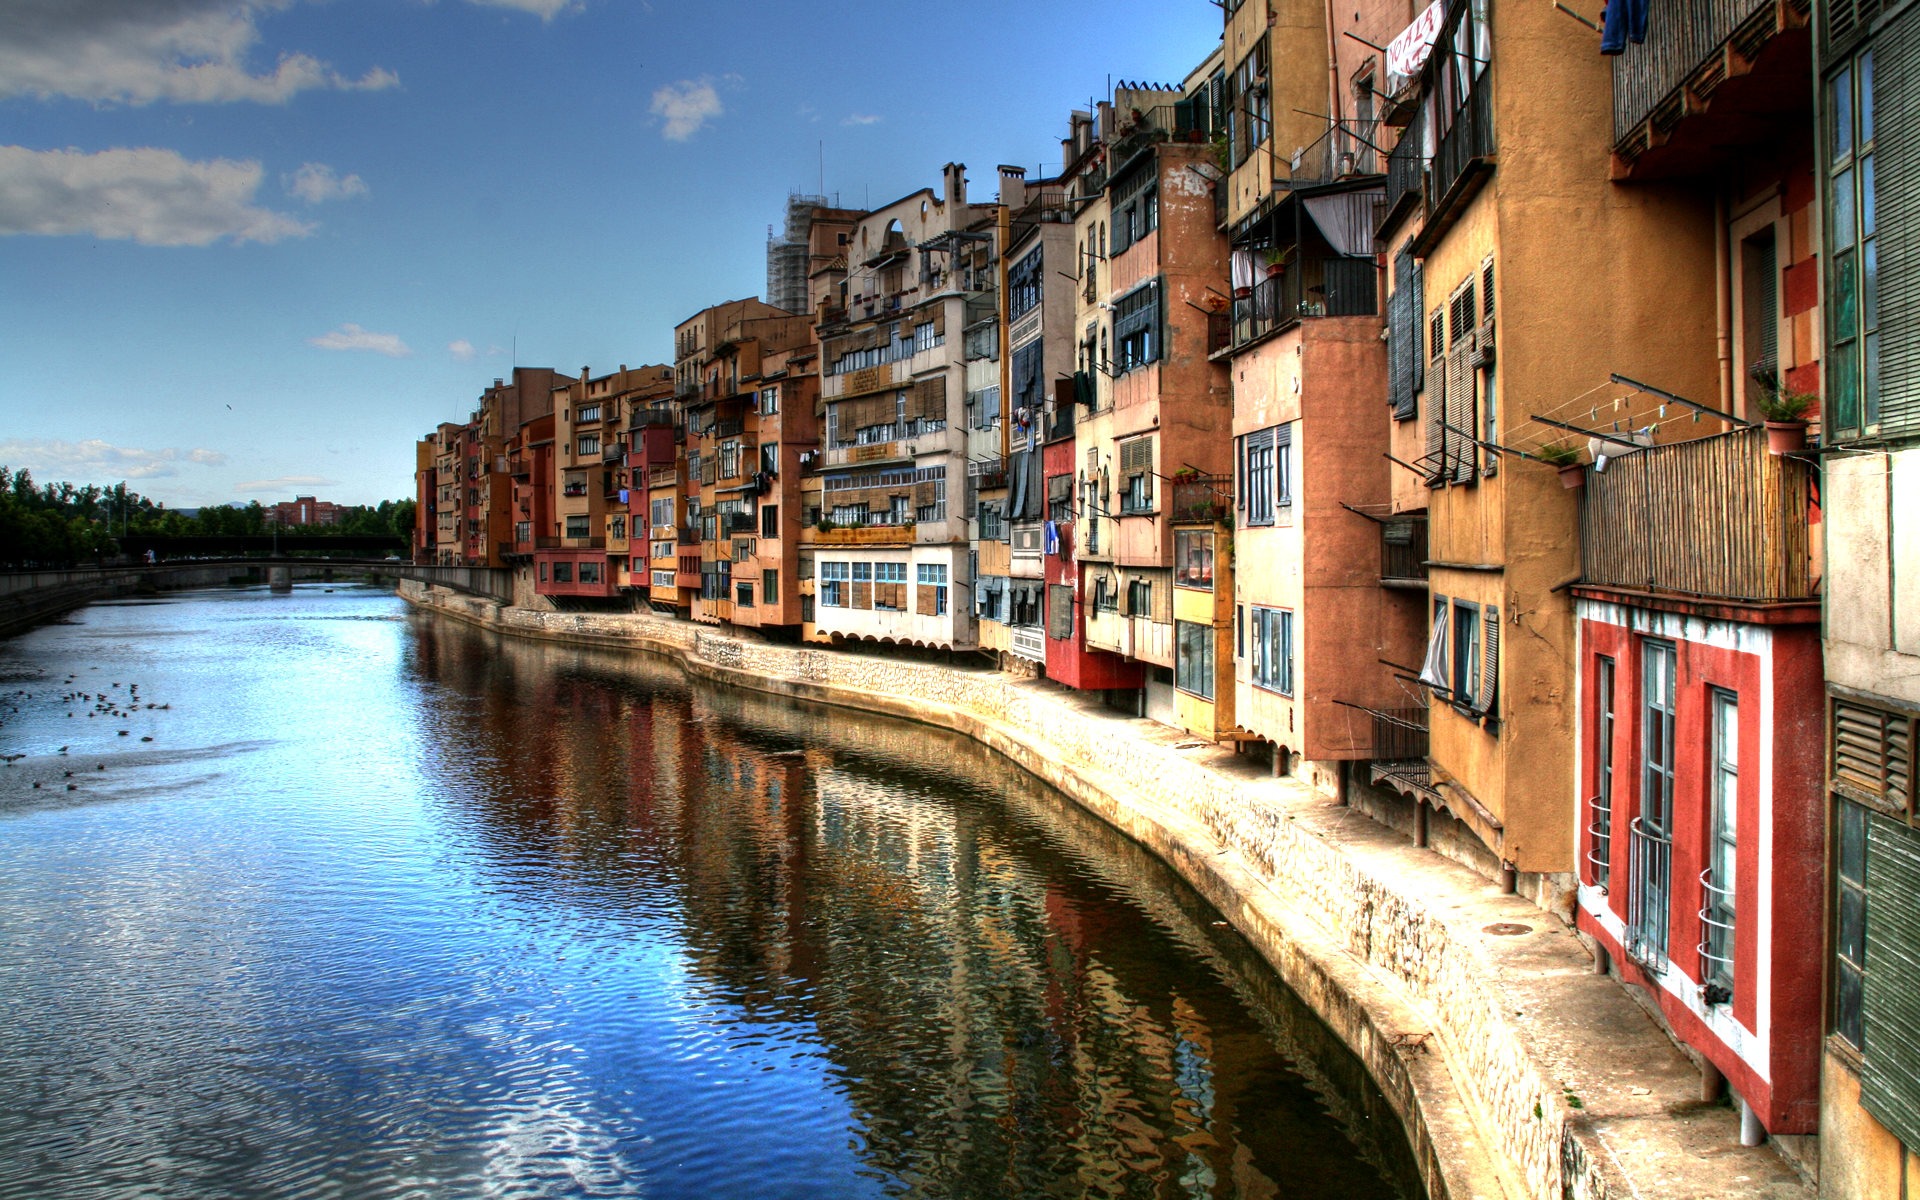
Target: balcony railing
{"type": "Point", "coordinates": [662, 477]}
{"type": "Point", "coordinates": [1687, 35]}
{"type": "Point", "coordinates": [725, 429]}
{"type": "Point", "coordinates": [1717, 518]}
{"type": "Point", "coordinates": [644, 418]}
{"type": "Point", "coordinates": [613, 452]}
{"type": "Point", "coordinates": [1399, 734]}
{"type": "Point", "coordinates": [732, 523]}
{"type": "Point", "coordinates": [1201, 498]}
{"type": "Point", "coordinates": [1406, 162]}
{"type": "Point", "coordinates": [1403, 550]}
{"type": "Point", "coordinates": [1330, 287]}
{"type": "Point", "coordinates": [1469, 140]}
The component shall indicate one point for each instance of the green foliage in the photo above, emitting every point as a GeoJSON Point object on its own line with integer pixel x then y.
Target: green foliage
{"type": "Point", "coordinates": [61, 525]}
{"type": "Point", "coordinates": [1777, 401]}
{"type": "Point", "coordinates": [1559, 454]}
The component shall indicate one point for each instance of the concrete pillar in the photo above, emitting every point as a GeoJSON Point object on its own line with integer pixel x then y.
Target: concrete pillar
{"type": "Point", "coordinates": [1602, 961]}
{"type": "Point", "coordinates": [1420, 823]}
{"type": "Point", "coordinates": [1752, 1132]}
{"type": "Point", "coordinates": [1712, 1083]}
{"type": "Point", "coordinates": [280, 579]}
{"type": "Point", "coordinates": [1509, 879]}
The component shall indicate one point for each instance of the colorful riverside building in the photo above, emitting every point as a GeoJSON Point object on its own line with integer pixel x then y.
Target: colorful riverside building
{"type": "Point", "coordinates": [1326, 597]}
{"type": "Point", "coordinates": [573, 560]}
{"type": "Point", "coordinates": [723, 357]}
{"type": "Point", "coordinates": [1868, 62]}
{"type": "Point", "coordinates": [1157, 405]}
{"type": "Point", "coordinates": [890, 554]}
{"type": "Point", "coordinates": [1697, 609]}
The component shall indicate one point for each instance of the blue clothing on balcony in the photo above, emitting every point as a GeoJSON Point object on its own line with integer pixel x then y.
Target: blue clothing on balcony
{"type": "Point", "coordinates": [1625, 21]}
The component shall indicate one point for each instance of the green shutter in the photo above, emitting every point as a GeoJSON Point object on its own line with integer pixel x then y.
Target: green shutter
{"type": "Point", "coordinates": [1890, 1080]}
{"type": "Point", "coordinates": [1896, 105]}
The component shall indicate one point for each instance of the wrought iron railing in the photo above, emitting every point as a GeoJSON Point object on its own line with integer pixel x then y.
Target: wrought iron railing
{"type": "Point", "coordinates": [1716, 937]}
{"type": "Point", "coordinates": [1470, 138]}
{"type": "Point", "coordinates": [1717, 517]}
{"type": "Point", "coordinates": [1201, 498]}
{"type": "Point", "coordinates": [1600, 840]}
{"type": "Point", "coordinates": [1329, 287]}
{"type": "Point", "coordinates": [1651, 862]}
{"type": "Point", "coordinates": [1407, 161]}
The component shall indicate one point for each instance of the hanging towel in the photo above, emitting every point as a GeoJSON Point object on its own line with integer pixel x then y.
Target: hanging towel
{"type": "Point", "coordinates": [1625, 21]}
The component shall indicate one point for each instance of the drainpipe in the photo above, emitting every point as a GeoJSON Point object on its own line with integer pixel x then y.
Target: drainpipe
{"type": "Point", "coordinates": [1003, 229]}
{"type": "Point", "coordinates": [1723, 297]}
{"type": "Point", "coordinates": [1334, 144]}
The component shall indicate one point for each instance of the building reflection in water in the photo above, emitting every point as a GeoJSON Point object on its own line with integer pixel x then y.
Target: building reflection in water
{"type": "Point", "coordinates": [1014, 999]}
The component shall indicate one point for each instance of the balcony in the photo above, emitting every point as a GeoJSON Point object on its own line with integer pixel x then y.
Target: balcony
{"type": "Point", "coordinates": [1463, 152]}
{"type": "Point", "coordinates": [1322, 287]}
{"type": "Point", "coordinates": [732, 523]}
{"type": "Point", "coordinates": [1712, 77]}
{"type": "Point", "coordinates": [727, 429]}
{"type": "Point", "coordinates": [613, 452]}
{"type": "Point", "coordinates": [1403, 552]}
{"type": "Point", "coordinates": [662, 477]}
{"type": "Point", "coordinates": [647, 418]}
{"type": "Point", "coordinates": [1399, 734]}
{"type": "Point", "coordinates": [1717, 518]}
{"type": "Point", "coordinates": [1201, 499]}
{"type": "Point", "coordinates": [574, 489]}
{"type": "Point", "coordinates": [861, 535]}
{"type": "Point", "coordinates": [1407, 166]}
{"type": "Point", "coordinates": [1185, 121]}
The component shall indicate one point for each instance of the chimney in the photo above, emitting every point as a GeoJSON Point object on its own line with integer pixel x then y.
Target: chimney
{"type": "Point", "coordinates": [956, 185]}
{"type": "Point", "coordinates": [1013, 186]}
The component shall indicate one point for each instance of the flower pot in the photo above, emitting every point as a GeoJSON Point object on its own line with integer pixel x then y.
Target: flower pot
{"type": "Point", "coordinates": [1573, 475]}
{"type": "Point", "coordinates": [1786, 437]}
{"type": "Point", "coordinates": [1241, 293]}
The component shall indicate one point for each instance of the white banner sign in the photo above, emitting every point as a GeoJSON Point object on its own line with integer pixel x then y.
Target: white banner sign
{"type": "Point", "coordinates": [1407, 53]}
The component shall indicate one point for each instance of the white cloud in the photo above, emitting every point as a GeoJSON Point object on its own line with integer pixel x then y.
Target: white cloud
{"type": "Point", "coordinates": [317, 182]}
{"type": "Point", "coordinates": [861, 119]}
{"type": "Point", "coordinates": [352, 337]}
{"type": "Point", "coordinates": [546, 10]}
{"type": "Point", "coordinates": [152, 196]}
{"type": "Point", "coordinates": [462, 349]}
{"type": "Point", "coordinates": [95, 460]}
{"type": "Point", "coordinates": [685, 107]}
{"type": "Point", "coordinates": [140, 51]}
{"type": "Point", "coordinates": [283, 483]}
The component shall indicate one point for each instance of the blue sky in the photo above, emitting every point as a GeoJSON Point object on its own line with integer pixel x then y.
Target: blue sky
{"type": "Point", "coordinates": [249, 247]}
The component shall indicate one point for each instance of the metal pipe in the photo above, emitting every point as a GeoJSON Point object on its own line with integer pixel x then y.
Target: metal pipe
{"type": "Point", "coordinates": [1723, 295]}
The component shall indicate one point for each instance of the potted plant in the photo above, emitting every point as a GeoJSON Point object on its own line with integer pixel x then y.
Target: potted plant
{"type": "Point", "coordinates": [1782, 410]}
{"type": "Point", "coordinates": [1278, 257]}
{"type": "Point", "coordinates": [1565, 456]}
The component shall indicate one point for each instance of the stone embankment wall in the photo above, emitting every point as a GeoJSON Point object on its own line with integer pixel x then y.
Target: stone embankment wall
{"type": "Point", "coordinates": [1419, 1004]}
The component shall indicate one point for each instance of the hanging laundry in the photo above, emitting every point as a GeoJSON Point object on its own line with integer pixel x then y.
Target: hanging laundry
{"type": "Point", "coordinates": [1625, 21]}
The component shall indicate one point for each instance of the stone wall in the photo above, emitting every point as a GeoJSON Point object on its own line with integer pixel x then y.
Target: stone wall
{"type": "Point", "coordinates": [1378, 960]}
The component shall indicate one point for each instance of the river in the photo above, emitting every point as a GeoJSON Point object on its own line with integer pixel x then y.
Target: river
{"type": "Point", "coordinates": [318, 896]}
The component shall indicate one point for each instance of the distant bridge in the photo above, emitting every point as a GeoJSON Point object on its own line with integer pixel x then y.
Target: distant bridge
{"type": "Point", "coordinates": [28, 597]}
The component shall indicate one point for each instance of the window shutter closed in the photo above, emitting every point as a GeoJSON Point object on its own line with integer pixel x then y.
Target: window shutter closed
{"type": "Point", "coordinates": [1136, 456]}
{"type": "Point", "coordinates": [923, 494]}
{"type": "Point", "coordinates": [1460, 408]}
{"type": "Point", "coordinates": [1163, 601]}
{"type": "Point", "coordinates": [1896, 103]}
{"type": "Point", "coordinates": [1873, 753]}
{"type": "Point", "coordinates": [1403, 338]}
{"type": "Point", "coordinates": [1436, 396]}
{"type": "Point", "coordinates": [1890, 1078]}
{"type": "Point", "coordinates": [1060, 612]}
{"type": "Point", "coordinates": [925, 597]}
{"type": "Point", "coordinates": [1490, 661]}
{"type": "Point", "coordinates": [929, 399]}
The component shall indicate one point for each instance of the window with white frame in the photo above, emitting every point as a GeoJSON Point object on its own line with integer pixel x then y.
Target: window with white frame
{"type": "Point", "coordinates": [1272, 658]}
{"type": "Point", "coordinates": [933, 576]}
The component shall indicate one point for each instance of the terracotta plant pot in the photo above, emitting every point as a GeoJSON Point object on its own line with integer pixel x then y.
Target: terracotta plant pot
{"type": "Point", "coordinates": [1786, 437]}
{"type": "Point", "coordinates": [1573, 475]}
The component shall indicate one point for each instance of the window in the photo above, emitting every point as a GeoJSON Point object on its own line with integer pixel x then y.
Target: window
{"type": "Point", "coordinates": [933, 589]}
{"type": "Point", "coordinates": [1136, 328]}
{"type": "Point", "coordinates": [1853, 257]}
{"type": "Point", "coordinates": [1193, 558]}
{"type": "Point", "coordinates": [1106, 597]}
{"type": "Point", "coordinates": [589, 444]}
{"type": "Point", "coordinates": [833, 584]}
{"type": "Point", "coordinates": [663, 579]}
{"type": "Point", "coordinates": [589, 572]}
{"type": "Point", "coordinates": [1650, 891]}
{"type": "Point", "coordinates": [588, 412]}
{"type": "Point", "coordinates": [1283, 466]}
{"type": "Point", "coordinates": [1136, 469]}
{"type": "Point", "coordinates": [923, 338]}
{"type": "Point", "coordinates": [1273, 649]}
{"type": "Point", "coordinates": [1193, 658]}
{"type": "Point", "coordinates": [1256, 477]}
{"type": "Point", "coordinates": [1029, 380]}
{"type": "Point", "coordinates": [992, 524]}
{"type": "Point", "coordinates": [863, 585]}
{"type": "Point", "coordinates": [1405, 362]}
{"type": "Point", "coordinates": [1717, 883]}
{"type": "Point", "coordinates": [769, 401]}
{"type": "Point", "coordinates": [1139, 598]}
{"type": "Point", "coordinates": [1849, 921]}
{"type": "Point", "coordinates": [1465, 679]}
{"type": "Point", "coordinates": [1601, 856]}
{"type": "Point", "coordinates": [617, 528]}
{"type": "Point", "coordinates": [1249, 107]}
{"type": "Point", "coordinates": [1136, 205]}
{"type": "Point", "coordinates": [543, 572]}
{"type": "Point", "coordinates": [563, 572]}
{"type": "Point", "coordinates": [770, 521]}
{"type": "Point", "coordinates": [1023, 285]}
{"type": "Point", "coordinates": [890, 586]}
{"type": "Point", "coordinates": [578, 526]}
{"type": "Point", "coordinates": [770, 587]}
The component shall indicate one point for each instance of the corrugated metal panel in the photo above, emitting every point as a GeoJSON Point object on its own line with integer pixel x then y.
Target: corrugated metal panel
{"type": "Point", "coordinates": [1890, 1079]}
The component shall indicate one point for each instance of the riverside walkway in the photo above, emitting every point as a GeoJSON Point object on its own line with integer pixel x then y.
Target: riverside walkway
{"type": "Point", "coordinates": [1518, 1072]}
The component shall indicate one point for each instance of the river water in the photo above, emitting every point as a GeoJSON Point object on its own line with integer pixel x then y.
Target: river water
{"type": "Point", "coordinates": [317, 896]}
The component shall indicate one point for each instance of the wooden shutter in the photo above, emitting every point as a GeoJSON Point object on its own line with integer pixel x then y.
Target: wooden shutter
{"type": "Point", "coordinates": [1060, 612]}
{"type": "Point", "coordinates": [1461, 459]}
{"type": "Point", "coordinates": [863, 594]}
{"type": "Point", "coordinates": [1873, 754]}
{"type": "Point", "coordinates": [1163, 600]}
{"type": "Point", "coordinates": [1403, 338]}
{"type": "Point", "coordinates": [1136, 456]}
{"type": "Point", "coordinates": [1436, 395]}
{"type": "Point", "coordinates": [1490, 660]}
{"type": "Point", "coordinates": [940, 321]}
{"type": "Point", "coordinates": [925, 600]}
{"type": "Point", "coordinates": [929, 399]}
{"type": "Point", "coordinates": [1890, 1077]}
